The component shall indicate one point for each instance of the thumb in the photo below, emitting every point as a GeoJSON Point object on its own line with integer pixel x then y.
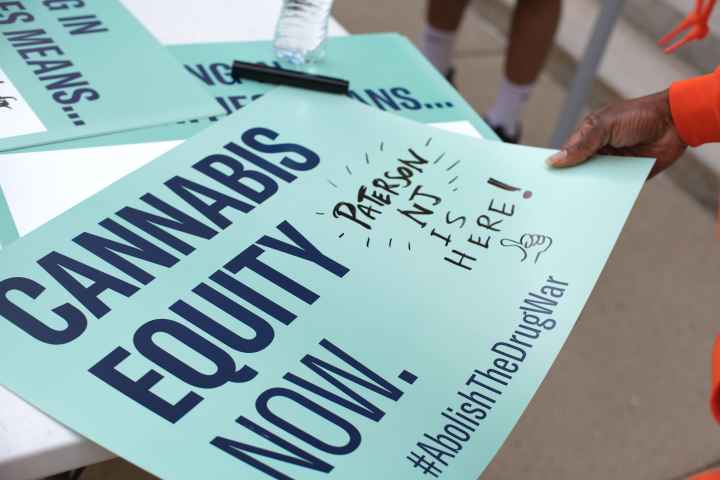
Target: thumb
{"type": "Point", "coordinates": [582, 144]}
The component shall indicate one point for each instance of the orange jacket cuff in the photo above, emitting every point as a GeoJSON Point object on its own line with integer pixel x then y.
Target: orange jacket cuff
{"type": "Point", "coordinates": [695, 108]}
{"type": "Point", "coordinates": [715, 385]}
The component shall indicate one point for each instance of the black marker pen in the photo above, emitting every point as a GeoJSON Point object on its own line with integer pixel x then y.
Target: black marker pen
{"type": "Point", "coordinates": [263, 73]}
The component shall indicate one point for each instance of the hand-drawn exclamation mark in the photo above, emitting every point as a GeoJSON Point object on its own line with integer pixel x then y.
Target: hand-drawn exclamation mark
{"type": "Point", "coordinates": [509, 188]}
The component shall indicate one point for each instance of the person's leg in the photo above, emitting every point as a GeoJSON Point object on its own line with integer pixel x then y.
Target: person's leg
{"type": "Point", "coordinates": [438, 39]}
{"type": "Point", "coordinates": [532, 33]}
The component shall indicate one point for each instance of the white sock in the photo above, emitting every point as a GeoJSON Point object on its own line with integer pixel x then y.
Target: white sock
{"type": "Point", "coordinates": [508, 106]}
{"type": "Point", "coordinates": [438, 46]}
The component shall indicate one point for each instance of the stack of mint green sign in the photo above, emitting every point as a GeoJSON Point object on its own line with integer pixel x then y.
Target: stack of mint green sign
{"type": "Point", "coordinates": [314, 286]}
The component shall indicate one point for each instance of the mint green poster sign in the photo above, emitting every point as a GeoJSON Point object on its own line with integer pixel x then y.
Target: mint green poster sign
{"type": "Point", "coordinates": [72, 69]}
{"type": "Point", "coordinates": [310, 289]}
{"type": "Point", "coordinates": [385, 71]}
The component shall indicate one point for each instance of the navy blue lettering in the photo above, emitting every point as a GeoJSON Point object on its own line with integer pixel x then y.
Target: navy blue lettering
{"type": "Point", "coordinates": [382, 99]}
{"type": "Point", "coordinates": [192, 192]}
{"type": "Point", "coordinates": [249, 258]}
{"type": "Point", "coordinates": [200, 73]}
{"type": "Point", "coordinates": [263, 332]}
{"type": "Point", "coordinates": [61, 267]}
{"type": "Point", "coordinates": [408, 102]}
{"type": "Point", "coordinates": [137, 247]}
{"type": "Point", "coordinates": [64, 80]}
{"type": "Point", "coordinates": [339, 377]}
{"type": "Point", "coordinates": [175, 219]}
{"type": "Point", "coordinates": [139, 390]}
{"type": "Point", "coordinates": [237, 101]}
{"type": "Point", "coordinates": [354, 437]}
{"type": "Point", "coordinates": [47, 66]}
{"type": "Point", "coordinates": [260, 301]}
{"type": "Point", "coordinates": [83, 25]}
{"type": "Point", "coordinates": [14, 17]}
{"type": "Point", "coordinates": [76, 321]}
{"type": "Point", "coordinates": [302, 248]}
{"type": "Point", "coordinates": [225, 365]}
{"type": "Point", "coordinates": [260, 162]}
{"type": "Point", "coordinates": [311, 159]}
{"type": "Point", "coordinates": [223, 73]}
{"type": "Point", "coordinates": [64, 97]}
{"type": "Point", "coordinates": [244, 452]}
{"type": "Point", "coordinates": [63, 4]}
{"type": "Point", "coordinates": [223, 103]}
{"type": "Point", "coordinates": [356, 96]}
{"type": "Point", "coordinates": [236, 178]}
{"type": "Point", "coordinates": [27, 38]}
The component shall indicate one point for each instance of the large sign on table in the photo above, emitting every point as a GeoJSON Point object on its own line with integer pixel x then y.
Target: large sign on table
{"type": "Point", "coordinates": [310, 289]}
{"type": "Point", "coordinates": [72, 69]}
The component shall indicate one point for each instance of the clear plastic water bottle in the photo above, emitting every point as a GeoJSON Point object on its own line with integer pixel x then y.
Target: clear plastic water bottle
{"type": "Point", "coordinates": [301, 31]}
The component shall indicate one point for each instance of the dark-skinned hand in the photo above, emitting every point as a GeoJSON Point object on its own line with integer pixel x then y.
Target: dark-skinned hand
{"type": "Point", "coordinates": [642, 127]}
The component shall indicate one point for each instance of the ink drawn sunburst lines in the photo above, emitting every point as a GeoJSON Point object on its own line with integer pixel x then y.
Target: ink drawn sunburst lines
{"type": "Point", "coordinates": [369, 241]}
{"type": "Point", "coordinates": [455, 164]}
{"type": "Point", "coordinates": [363, 161]}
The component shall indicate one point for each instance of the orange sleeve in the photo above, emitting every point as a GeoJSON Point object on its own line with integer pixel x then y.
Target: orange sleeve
{"type": "Point", "coordinates": [695, 107]}
{"type": "Point", "coordinates": [715, 385]}
{"type": "Point", "coordinates": [713, 474]}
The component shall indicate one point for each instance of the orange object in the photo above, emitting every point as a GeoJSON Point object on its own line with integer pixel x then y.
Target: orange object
{"type": "Point", "coordinates": [696, 22]}
{"type": "Point", "coordinates": [717, 218]}
{"type": "Point", "coordinates": [695, 108]}
{"type": "Point", "coordinates": [715, 385]}
{"type": "Point", "coordinates": [713, 474]}
{"type": "Point", "coordinates": [709, 475]}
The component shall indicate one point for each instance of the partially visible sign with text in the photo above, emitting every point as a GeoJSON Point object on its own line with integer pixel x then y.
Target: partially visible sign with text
{"type": "Point", "coordinates": [74, 69]}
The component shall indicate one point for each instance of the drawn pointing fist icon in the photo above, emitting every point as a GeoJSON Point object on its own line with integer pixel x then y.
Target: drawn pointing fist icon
{"type": "Point", "coordinates": [530, 245]}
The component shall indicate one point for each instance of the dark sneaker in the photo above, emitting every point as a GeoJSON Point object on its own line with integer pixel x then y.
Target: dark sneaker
{"type": "Point", "coordinates": [504, 135]}
{"type": "Point", "coordinates": [450, 76]}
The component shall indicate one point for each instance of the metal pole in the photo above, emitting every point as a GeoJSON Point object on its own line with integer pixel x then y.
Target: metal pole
{"type": "Point", "coordinates": [586, 70]}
